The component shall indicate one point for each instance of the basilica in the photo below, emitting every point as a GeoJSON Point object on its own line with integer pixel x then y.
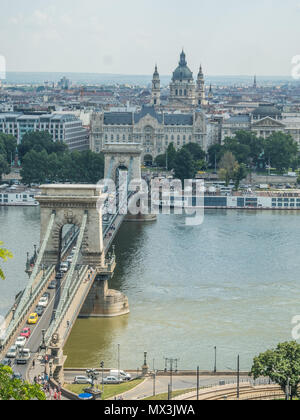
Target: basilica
{"type": "Point", "coordinates": [185, 94]}
{"type": "Point", "coordinates": [154, 127]}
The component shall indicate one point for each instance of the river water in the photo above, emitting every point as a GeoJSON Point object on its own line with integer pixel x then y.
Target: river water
{"type": "Point", "coordinates": [232, 282]}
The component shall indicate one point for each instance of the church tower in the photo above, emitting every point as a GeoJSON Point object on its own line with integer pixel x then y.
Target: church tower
{"type": "Point", "coordinates": [200, 88]}
{"type": "Point", "coordinates": [155, 88]}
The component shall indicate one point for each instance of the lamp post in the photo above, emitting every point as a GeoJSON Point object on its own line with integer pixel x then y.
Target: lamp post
{"type": "Point", "coordinates": [43, 345]}
{"type": "Point", "coordinates": [198, 382]}
{"type": "Point", "coordinates": [238, 377]}
{"type": "Point", "coordinates": [119, 362]}
{"type": "Point", "coordinates": [215, 367]}
{"type": "Point", "coordinates": [102, 367]}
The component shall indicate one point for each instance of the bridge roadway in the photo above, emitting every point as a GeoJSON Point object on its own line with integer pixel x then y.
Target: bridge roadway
{"type": "Point", "coordinates": [110, 230]}
{"type": "Point", "coordinates": [34, 342]}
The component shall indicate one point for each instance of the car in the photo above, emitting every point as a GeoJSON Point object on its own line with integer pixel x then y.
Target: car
{"type": "Point", "coordinates": [120, 374]}
{"type": "Point", "coordinates": [59, 275]}
{"type": "Point", "coordinates": [112, 380]}
{"type": "Point", "coordinates": [47, 295]}
{"type": "Point", "coordinates": [26, 332]}
{"type": "Point", "coordinates": [43, 302]}
{"type": "Point", "coordinates": [6, 362]}
{"type": "Point", "coordinates": [52, 285]}
{"type": "Point", "coordinates": [20, 342]}
{"type": "Point", "coordinates": [12, 352]}
{"type": "Point", "coordinates": [23, 357]}
{"type": "Point", "coordinates": [39, 310]}
{"type": "Point", "coordinates": [33, 319]}
{"type": "Point", "coordinates": [70, 259]}
{"type": "Point", "coordinates": [82, 380]}
{"type": "Point", "coordinates": [64, 267]}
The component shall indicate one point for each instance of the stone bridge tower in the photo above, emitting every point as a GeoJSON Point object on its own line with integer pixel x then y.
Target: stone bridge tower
{"type": "Point", "coordinates": [70, 203]}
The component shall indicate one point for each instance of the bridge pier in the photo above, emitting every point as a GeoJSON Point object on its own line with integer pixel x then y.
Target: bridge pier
{"type": "Point", "coordinates": [101, 301]}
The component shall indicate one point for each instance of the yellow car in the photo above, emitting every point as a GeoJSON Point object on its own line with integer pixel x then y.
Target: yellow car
{"type": "Point", "coordinates": [33, 319]}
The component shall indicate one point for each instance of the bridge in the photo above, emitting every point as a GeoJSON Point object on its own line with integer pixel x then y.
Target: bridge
{"type": "Point", "coordinates": [83, 291]}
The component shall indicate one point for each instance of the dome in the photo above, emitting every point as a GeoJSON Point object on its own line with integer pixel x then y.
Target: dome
{"type": "Point", "coordinates": [182, 72]}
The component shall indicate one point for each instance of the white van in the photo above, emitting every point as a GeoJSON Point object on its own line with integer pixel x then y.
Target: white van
{"type": "Point", "coordinates": [123, 375]}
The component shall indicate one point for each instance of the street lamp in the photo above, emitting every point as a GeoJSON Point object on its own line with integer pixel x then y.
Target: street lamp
{"type": "Point", "coordinates": [50, 366]}
{"type": "Point", "coordinates": [102, 367]}
{"type": "Point", "coordinates": [43, 345]}
{"type": "Point", "coordinates": [119, 362]}
{"type": "Point", "coordinates": [215, 368]}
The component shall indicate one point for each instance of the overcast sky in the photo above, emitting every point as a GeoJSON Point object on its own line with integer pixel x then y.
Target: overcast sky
{"type": "Point", "coordinates": [232, 37]}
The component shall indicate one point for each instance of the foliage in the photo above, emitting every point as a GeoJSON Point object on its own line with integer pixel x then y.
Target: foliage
{"type": "Point", "coordinates": [8, 147]}
{"type": "Point", "coordinates": [15, 389]}
{"type": "Point", "coordinates": [4, 166]}
{"type": "Point", "coordinates": [239, 174]}
{"type": "Point", "coordinates": [39, 141]}
{"type": "Point", "coordinates": [281, 365]}
{"type": "Point", "coordinates": [281, 149]}
{"type": "Point", "coordinates": [4, 255]}
{"type": "Point", "coordinates": [184, 165]}
{"type": "Point", "coordinates": [228, 167]}
{"type": "Point", "coordinates": [41, 167]}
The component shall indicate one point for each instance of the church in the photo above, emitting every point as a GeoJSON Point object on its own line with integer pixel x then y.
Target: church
{"type": "Point", "coordinates": [180, 122]}
{"type": "Point", "coordinates": [185, 94]}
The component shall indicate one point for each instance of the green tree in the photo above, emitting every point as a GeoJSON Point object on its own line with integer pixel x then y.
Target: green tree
{"type": "Point", "coordinates": [228, 167]}
{"type": "Point", "coordinates": [239, 173]}
{"type": "Point", "coordinates": [171, 156]}
{"type": "Point", "coordinates": [160, 161]}
{"type": "Point", "coordinates": [281, 365]}
{"type": "Point", "coordinates": [281, 149]}
{"type": "Point", "coordinates": [196, 151]}
{"type": "Point", "coordinates": [184, 165]}
{"type": "Point", "coordinates": [215, 154]}
{"type": "Point", "coordinates": [8, 146]}
{"type": "Point", "coordinates": [14, 389]}
{"type": "Point", "coordinates": [35, 167]}
{"type": "Point", "coordinates": [39, 141]}
{"type": "Point", "coordinates": [4, 166]}
{"type": "Point", "coordinates": [4, 255]}
{"type": "Point", "coordinates": [240, 151]}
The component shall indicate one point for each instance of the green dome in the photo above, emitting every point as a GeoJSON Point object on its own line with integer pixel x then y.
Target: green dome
{"type": "Point", "coordinates": [182, 72]}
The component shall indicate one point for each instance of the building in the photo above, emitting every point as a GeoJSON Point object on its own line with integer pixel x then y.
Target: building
{"type": "Point", "coordinates": [151, 128]}
{"type": "Point", "coordinates": [63, 127]}
{"type": "Point", "coordinates": [185, 94]}
{"type": "Point", "coordinates": [263, 121]}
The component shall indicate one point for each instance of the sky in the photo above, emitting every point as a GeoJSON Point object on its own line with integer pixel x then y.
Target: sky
{"type": "Point", "coordinates": [232, 37]}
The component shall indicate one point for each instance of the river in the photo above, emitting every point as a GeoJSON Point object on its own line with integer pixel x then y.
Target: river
{"type": "Point", "coordinates": [232, 282]}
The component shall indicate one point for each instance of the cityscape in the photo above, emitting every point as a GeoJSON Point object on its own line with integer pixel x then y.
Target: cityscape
{"type": "Point", "coordinates": [149, 204]}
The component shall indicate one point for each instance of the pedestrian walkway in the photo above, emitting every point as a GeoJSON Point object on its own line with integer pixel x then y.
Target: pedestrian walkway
{"type": "Point", "coordinates": [37, 374]}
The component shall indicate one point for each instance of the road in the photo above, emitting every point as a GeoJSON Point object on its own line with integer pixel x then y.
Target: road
{"type": "Point", "coordinates": [35, 339]}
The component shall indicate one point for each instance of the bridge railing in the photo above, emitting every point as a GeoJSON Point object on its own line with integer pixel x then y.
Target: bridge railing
{"type": "Point", "coordinates": [15, 324]}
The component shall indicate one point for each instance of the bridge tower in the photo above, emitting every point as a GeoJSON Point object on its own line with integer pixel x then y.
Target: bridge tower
{"type": "Point", "coordinates": [70, 203]}
{"type": "Point", "coordinates": [122, 155]}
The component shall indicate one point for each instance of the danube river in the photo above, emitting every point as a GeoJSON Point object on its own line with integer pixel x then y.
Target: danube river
{"type": "Point", "coordinates": [233, 283]}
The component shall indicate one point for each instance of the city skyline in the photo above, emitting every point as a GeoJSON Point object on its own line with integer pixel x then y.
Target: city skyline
{"type": "Point", "coordinates": [227, 39]}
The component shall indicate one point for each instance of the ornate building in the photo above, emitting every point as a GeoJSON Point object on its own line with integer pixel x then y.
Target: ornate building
{"type": "Point", "coordinates": [185, 94]}
{"type": "Point", "coordinates": [151, 128]}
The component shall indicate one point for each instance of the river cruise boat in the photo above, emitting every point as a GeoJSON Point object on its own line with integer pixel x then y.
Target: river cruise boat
{"type": "Point", "coordinates": [18, 196]}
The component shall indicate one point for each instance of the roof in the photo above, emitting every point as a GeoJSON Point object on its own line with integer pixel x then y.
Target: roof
{"type": "Point", "coordinates": [127, 118]}
{"type": "Point", "coordinates": [182, 72]}
{"type": "Point", "coordinates": [238, 119]}
{"type": "Point", "coordinates": [266, 110]}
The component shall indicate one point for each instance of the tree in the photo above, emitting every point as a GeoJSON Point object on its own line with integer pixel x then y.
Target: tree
{"type": "Point", "coordinates": [4, 255]}
{"type": "Point", "coordinates": [281, 149]}
{"type": "Point", "coordinates": [35, 167]}
{"type": "Point", "coordinates": [196, 151]}
{"type": "Point", "coordinates": [15, 389]}
{"type": "Point", "coordinates": [228, 166]}
{"type": "Point", "coordinates": [281, 365]}
{"type": "Point", "coordinates": [160, 161]}
{"type": "Point", "coordinates": [4, 166]}
{"type": "Point", "coordinates": [240, 151]}
{"type": "Point", "coordinates": [8, 146]}
{"type": "Point", "coordinates": [171, 156]}
{"type": "Point", "coordinates": [39, 141]}
{"type": "Point", "coordinates": [239, 174]}
{"type": "Point", "coordinates": [215, 154]}
{"type": "Point", "coordinates": [184, 165]}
